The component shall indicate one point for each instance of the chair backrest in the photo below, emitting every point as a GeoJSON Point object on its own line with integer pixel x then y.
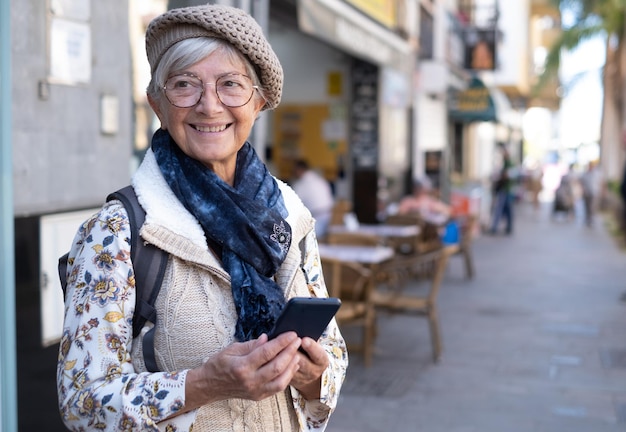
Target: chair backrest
{"type": "Point", "coordinates": [428, 238]}
{"type": "Point", "coordinates": [349, 281]}
{"type": "Point", "coordinates": [353, 238]}
{"type": "Point", "coordinates": [340, 208]}
{"type": "Point", "coordinates": [439, 260]}
{"type": "Point", "coordinates": [403, 219]}
{"type": "Point", "coordinates": [468, 226]}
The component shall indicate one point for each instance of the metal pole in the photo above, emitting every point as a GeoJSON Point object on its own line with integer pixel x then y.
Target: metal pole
{"type": "Point", "coordinates": [260, 10]}
{"type": "Point", "coordinates": [8, 370]}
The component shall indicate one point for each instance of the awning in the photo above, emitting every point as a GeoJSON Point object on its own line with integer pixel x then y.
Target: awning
{"type": "Point", "coordinates": [341, 25]}
{"type": "Point", "coordinates": [478, 103]}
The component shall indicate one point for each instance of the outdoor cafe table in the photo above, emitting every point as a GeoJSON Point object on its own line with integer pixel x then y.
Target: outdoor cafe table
{"type": "Point", "coordinates": [360, 308]}
{"type": "Point", "coordinates": [370, 255]}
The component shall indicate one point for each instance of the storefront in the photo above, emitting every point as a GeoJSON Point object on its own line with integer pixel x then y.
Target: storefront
{"type": "Point", "coordinates": [346, 101]}
{"type": "Point", "coordinates": [483, 117]}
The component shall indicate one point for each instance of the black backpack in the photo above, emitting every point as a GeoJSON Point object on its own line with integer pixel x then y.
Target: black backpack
{"type": "Point", "coordinates": [149, 265]}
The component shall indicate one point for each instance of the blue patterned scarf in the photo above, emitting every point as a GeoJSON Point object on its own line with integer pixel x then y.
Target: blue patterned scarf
{"type": "Point", "coordinates": [246, 223]}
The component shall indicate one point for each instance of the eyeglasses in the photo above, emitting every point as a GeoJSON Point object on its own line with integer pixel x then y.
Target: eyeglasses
{"type": "Point", "coordinates": [185, 90]}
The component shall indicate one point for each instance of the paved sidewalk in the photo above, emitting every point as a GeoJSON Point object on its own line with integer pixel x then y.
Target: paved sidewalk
{"type": "Point", "coordinates": [535, 343]}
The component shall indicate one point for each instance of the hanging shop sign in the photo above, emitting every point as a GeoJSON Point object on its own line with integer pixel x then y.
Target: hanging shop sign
{"type": "Point", "coordinates": [472, 104]}
{"type": "Point", "coordinates": [480, 48]}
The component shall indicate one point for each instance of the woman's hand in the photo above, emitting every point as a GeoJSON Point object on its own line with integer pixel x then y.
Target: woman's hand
{"type": "Point", "coordinates": [312, 365]}
{"type": "Point", "coordinates": [251, 370]}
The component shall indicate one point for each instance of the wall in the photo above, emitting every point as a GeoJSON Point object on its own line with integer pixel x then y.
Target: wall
{"type": "Point", "coordinates": [514, 52]}
{"type": "Point", "coordinates": [307, 64]}
{"type": "Point", "coordinates": [61, 159]}
{"type": "Point", "coordinates": [434, 79]}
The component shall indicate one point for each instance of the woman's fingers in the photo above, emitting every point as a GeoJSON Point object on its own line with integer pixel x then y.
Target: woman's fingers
{"type": "Point", "coordinates": [255, 369]}
{"type": "Point", "coordinates": [312, 366]}
{"type": "Point", "coordinates": [315, 352]}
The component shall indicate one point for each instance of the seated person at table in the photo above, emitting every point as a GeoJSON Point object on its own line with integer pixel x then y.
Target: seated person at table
{"type": "Point", "coordinates": [316, 194]}
{"type": "Point", "coordinates": [423, 203]}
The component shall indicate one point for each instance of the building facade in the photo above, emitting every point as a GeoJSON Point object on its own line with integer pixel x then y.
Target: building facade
{"type": "Point", "coordinates": [80, 124]}
{"type": "Point", "coordinates": [71, 135]}
{"type": "Point", "coordinates": [375, 95]}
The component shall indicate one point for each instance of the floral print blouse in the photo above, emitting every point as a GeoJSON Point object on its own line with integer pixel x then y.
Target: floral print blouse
{"type": "Point", "coordinates": [98, 387]}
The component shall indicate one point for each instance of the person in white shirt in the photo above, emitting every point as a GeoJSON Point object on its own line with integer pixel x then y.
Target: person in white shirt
{"type": "Point", "coordinates": [316, 194]}
{"type": "Point", "coordinates": [591, 184]}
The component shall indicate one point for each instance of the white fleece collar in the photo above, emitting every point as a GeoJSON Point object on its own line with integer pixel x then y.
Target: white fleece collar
{"type": "Point", "coordinates": [163, 207]}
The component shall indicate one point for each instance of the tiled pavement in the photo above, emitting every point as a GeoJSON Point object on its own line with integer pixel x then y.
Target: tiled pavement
{"type": "Point", "coordinates": [536, 342]}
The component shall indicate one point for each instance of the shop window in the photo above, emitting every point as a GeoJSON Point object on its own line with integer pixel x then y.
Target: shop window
{"type": "Point", "coordinates": [457, 149]}
{"type": "Point", "coordinates": [426, 51]}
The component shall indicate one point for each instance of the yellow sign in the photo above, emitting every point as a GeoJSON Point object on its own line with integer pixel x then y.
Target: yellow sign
{"type": "Point", "coordinates": [474, 99]}
{"type": "Point", "coordinates": [334, 84]}
{"type": "Point", "coordinates": [473, 104]}
{"type": "Point", "coordinates": [383, 11]}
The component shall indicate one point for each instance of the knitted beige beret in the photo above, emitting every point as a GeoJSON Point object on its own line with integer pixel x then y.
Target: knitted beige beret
{"type": "Point", "coordinates": [224, 22]}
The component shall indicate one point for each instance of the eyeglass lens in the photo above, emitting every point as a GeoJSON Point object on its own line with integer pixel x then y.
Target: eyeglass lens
{"type": "Point", "coordinates": [185, 90]}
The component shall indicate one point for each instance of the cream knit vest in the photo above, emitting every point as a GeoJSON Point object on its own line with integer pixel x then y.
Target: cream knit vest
{"type": "Point", "coordinates": [196, 313]}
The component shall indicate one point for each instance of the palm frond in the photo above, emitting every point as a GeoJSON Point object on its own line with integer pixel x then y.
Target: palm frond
{"type": "Point", "coordinates": [568, 40]}
{"type": "Point", "coordinates": [568, 86]}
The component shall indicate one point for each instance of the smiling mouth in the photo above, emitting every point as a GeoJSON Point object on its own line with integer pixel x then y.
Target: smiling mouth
{"type": "Point", "coordinates": [210, 128]}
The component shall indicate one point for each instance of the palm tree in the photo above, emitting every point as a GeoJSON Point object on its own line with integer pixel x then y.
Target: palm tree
{"type": "Point", "coordinates": [589, 19]}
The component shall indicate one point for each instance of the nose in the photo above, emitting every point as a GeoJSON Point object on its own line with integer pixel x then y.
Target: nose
{"type": "Point", "coordinates": [208, 100]}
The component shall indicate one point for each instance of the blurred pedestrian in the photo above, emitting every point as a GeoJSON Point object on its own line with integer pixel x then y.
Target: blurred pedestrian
{"type": "Point", "coordinates": [316, 194]}
{"type": "Point", "coordinates": [565, 195]}
{"type": "Point", "coordinates": [591, 184]}
{"type": "Point", "coordinates": [534, 185]}
{"type": "Point", "coordinates": [622, 192]}
{"type": "Point", "coordinates": [503, 194]}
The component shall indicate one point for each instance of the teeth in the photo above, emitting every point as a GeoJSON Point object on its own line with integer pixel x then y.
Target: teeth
{"type": "Point", "coordinates": [211, 128]}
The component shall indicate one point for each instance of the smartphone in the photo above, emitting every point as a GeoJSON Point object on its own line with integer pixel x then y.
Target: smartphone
{"type": "Point", "coordinates": [307, 316]}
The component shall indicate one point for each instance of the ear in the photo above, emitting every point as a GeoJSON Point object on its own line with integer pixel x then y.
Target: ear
{"type": "Point", "coordinates": [157, 110]}
{"type": "Point", "coordinates": [259, 104]}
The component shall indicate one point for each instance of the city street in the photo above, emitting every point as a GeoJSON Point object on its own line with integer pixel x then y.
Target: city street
{"type": "Point", "coordinates": [536, 342]}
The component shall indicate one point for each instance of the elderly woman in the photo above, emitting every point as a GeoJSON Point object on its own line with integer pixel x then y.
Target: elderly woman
{"type": "Point", "coordinates": [240, 243]}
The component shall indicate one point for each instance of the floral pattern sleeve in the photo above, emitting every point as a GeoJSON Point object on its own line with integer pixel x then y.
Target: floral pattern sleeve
{"type": "Point", "coordinates": [97, 385]}
{"type": "Point", "coordinates": [313, 415]}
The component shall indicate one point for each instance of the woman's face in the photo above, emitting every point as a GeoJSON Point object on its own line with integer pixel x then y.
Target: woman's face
{"type": "Point", "coordinates": [210, 132]}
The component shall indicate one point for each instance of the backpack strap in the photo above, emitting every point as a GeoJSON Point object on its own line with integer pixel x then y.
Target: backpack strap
{"type": "Point", "coordinates": [62, 269]}
{"type": "Point", "coordinates": [149, 264]}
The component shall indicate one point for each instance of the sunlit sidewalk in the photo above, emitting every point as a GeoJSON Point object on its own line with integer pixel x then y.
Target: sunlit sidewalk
{"type": "Point", "coordinates": [535, 342]}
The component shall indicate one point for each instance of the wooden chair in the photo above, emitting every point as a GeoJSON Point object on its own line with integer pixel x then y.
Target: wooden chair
{"type": "Point", "coordinates": [340, 208]}
{"type": "Point", "coordinates": [386, 272]}
{"type": "Point", "coordinates": [353, 284]}
{"type": "Point", "coordinates": [465, 245]}
{"type": "Point", "coordinates": [401, 302]}
{"type": "Point", "coordinates": [408, 262]}
{"type": "Point", "coordinates": [352, 238]}
{"type": "Point", "coordinates": [427, 240]}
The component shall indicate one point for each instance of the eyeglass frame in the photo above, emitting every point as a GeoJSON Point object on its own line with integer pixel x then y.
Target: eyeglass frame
{"type": "Point", "coordinates": [189, 74]}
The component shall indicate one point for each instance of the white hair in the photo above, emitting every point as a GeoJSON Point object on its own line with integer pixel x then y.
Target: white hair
{"type": "Point", "coordinates": [189, 52]}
